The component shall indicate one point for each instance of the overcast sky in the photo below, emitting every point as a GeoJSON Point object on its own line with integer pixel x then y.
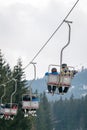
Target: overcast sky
{"type": "Point", "coordinates": [25, 26]}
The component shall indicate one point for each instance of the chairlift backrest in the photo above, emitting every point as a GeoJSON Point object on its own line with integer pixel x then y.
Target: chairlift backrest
{"type": "Point", "coordinates": [11, 109]}
{"type": "Point", "coordinates": [30, 101]}
{"type": "Point", "coordinates": [63, 78]}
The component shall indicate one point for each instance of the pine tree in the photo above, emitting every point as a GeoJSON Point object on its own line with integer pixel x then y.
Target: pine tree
{"type": "Point", "coordinates": [4, 68]}
{"type": "Point", "coordinates": [19, 75]}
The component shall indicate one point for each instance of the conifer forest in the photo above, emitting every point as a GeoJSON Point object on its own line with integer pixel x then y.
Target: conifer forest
{"type": "Point", "coordinates": [62, 114]}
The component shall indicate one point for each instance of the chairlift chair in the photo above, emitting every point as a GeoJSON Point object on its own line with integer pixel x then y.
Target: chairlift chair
{"type": "Point", "coordinates": [62, 79]}
{"type": "Point", "coordinates": [11, 109]}
{"type": "Point", "coordinates": [30, 101]}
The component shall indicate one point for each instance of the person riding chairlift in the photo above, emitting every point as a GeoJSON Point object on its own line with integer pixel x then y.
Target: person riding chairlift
{"type": "Point", "coordinates": [52, 89]}
{"type": "Point", "coordinates": [65, 71]}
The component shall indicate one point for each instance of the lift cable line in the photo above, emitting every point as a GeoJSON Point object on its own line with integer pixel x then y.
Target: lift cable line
{"type": "Point", "coordinates": [52, 34]}
{"type": "Point", "coordinates": [46, 41]}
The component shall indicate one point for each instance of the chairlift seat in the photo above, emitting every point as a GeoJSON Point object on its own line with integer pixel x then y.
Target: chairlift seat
{"type": "Point", "coordinates": [53, 79]}
{"type": "Point", "coordinates": [32, 103]}
{"type": "Point", "coordinates": [65, 81]}
{"type": "Point", "coordinates": [59, 80]}
{"type": "Point", "coordinates": [11, 109]}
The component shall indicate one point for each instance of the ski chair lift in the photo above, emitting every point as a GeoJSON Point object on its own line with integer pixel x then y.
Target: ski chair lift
{"type": "Point", "coordinates": [64, 78]}
{"type": "Point", "coordinates": [11, 108]}
{"type": "Point", "coordinates": [1, 104]}
{"type": "Point", "coordinates": [30, 101]}
{"type": "Point", "coordinates": [60, 79]}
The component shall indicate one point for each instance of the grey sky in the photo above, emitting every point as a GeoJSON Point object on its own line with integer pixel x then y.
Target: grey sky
{"type": "Point", "coordinates": [25, 25]}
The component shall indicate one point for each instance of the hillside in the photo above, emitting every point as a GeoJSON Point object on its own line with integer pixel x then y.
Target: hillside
{"type": "Point", "coordinates": [78, 88]}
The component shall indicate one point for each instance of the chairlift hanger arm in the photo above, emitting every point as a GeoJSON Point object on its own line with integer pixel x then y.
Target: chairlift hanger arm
{"type": "Point", "coordinates": [14, 90]}
{"type": "Point", "coordinates": [61, 54]}
{"type": "Point", "coordinates": [4, 92]}
{"type": "Point", "coordinates": [33, 63]}
{"type": "Point", "coordinates": [34, 70]}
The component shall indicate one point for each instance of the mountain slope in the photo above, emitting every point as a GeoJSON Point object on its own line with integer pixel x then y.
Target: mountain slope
{"type": "Point", "coordinates": [78, 88]}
